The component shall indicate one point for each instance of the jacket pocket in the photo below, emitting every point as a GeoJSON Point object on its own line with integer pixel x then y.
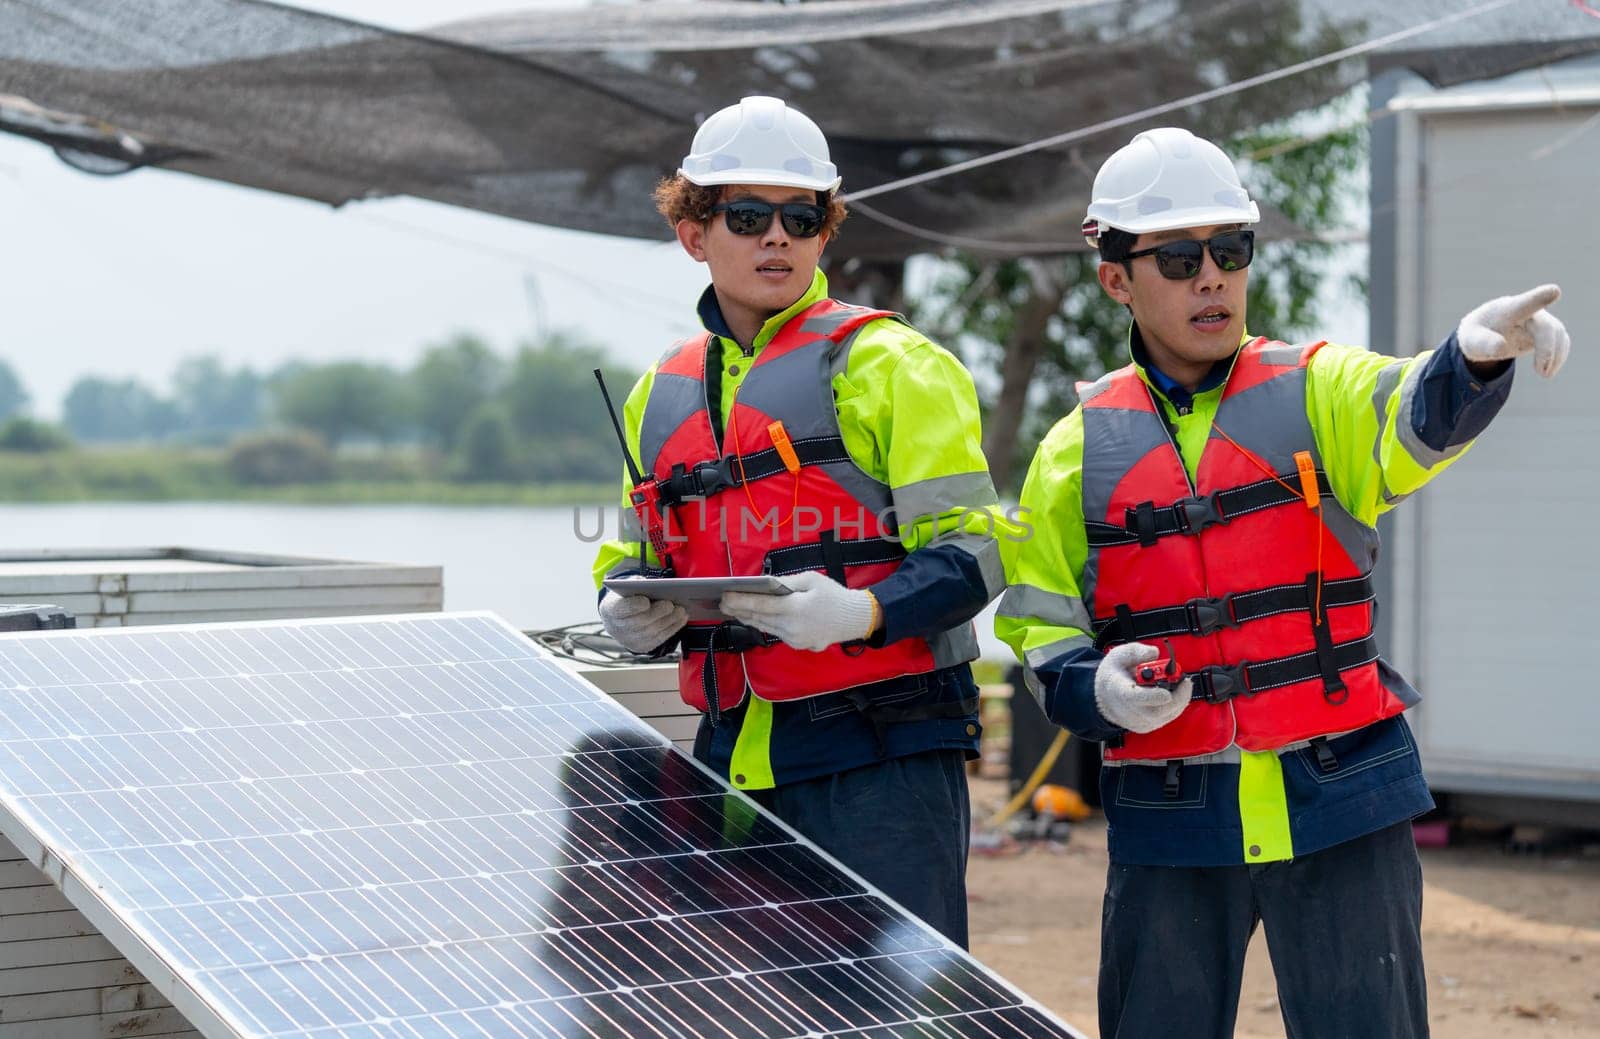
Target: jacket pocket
{"type": "Point", "coordinates": [1361, 752]}
{"type": "Point", "coordinates": [1144, 787]}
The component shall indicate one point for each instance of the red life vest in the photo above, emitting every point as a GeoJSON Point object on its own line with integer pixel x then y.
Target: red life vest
{"type": "Point", "coordinates": [1266, 601]}
{"type": "Point", "coordinates": [747, 506]}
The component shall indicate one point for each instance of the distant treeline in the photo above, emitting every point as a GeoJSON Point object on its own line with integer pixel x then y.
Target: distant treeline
{"type": "Point", "coordinates": [461, 413]}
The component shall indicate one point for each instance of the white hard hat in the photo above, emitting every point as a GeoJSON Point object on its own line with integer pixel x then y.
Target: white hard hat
{"type": "Point", "coordinates": [1163, 179]}
{"type": "Point", "coordinates": [760, 140]}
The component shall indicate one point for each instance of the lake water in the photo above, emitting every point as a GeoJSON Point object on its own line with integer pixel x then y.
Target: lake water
{"type": "Point", "coordinates": [528, 564]}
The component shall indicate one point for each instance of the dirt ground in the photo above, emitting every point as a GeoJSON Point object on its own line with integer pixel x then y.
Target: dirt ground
{"type": "Point", "coordinates": [1512, 941]}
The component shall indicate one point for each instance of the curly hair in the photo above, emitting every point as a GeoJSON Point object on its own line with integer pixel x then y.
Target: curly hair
{"type": "Point", "coordinates": [678, 198]}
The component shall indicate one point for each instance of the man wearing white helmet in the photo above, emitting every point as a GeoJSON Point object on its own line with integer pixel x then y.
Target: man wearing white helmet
{"type": "Point", "coordinates": [1214, 504]}
{"type": "Point", "coordinates": [837, 448]}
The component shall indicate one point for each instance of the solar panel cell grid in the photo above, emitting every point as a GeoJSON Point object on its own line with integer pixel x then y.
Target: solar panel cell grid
{"type": "Point", "coordinates": [419, 827]}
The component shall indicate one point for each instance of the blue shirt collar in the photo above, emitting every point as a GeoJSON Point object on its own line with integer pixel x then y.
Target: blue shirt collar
{"type": "Point", "coordinates": [711, 314]}
{"type": "Point", "coordinates": [711, 317]}
{"type": "Point", "coordinates": [1169, 388]}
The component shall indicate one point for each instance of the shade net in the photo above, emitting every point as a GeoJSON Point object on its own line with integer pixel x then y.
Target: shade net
{"type": "Point", "coordinates": [569, 118]}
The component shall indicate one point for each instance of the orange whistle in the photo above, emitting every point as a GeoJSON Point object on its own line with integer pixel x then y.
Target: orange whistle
{"type": "Point", "coordinates": [780, 440]}
{"type": "Point", "coordinates": [1308, 479]}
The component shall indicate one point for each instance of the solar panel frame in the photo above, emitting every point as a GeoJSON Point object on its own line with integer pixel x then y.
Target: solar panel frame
{"type": "Point", "coordinates": [656, 1009]}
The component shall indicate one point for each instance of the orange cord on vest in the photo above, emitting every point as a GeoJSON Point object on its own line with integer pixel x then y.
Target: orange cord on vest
{"type": "Point", "coordinates": [790, 462]}
{"type": "Point", "coordinates": [1315, 505]}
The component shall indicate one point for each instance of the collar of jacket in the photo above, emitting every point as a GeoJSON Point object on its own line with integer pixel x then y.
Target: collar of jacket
{"type": "Point", "coordinates": [711, 312]}
{"type": "Point", "coordinates": [1164, 384]}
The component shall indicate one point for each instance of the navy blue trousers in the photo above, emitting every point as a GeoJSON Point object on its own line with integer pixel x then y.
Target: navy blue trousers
{"type": "Point", "coordinates": [902, 824]}
{"type": "Point", "coordinates": [1344, 930]}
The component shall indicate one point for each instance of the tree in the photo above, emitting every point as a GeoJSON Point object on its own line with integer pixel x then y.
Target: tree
{"type": "Point", "coordinates": [214, 402]}
{"type": "Point", "coordinates": [1032, 326]}
{"type": "Point", "coordinates": [13, 396]}
{"type": "Point", "coordinates": [275, 459]}
{"type": "Point", "coordinates": [555, 406]}
{"type": "Point", "coordinates": [28, 435]}
{"type": "Point", "coordinates": [451, 382]}
{"type": "Point", "coordinates": [117, 410]}
{"type": "Point", "coordinates": [488, 446]}
{"type": "Point", "coordinates": [343, 400]}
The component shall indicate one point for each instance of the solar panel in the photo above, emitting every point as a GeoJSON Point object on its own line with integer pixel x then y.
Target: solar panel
{"type": "Point", "coordinates": [423, 826]}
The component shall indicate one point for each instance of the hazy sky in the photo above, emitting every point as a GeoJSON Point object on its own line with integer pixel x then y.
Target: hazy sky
{"type": "Point", "coordinates": [125, 276]}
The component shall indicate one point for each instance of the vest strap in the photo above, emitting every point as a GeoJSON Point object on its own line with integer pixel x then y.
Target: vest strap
{"type": "Point", "coordinates": [1204, 616]}
{"type": "Point", "coordinates": [1145, 523]}
{"type": "Point", "coordinates": [1219, 684]}
{"type": "Point", "coordinates": [832, 556]}
{"type": "Point", "coordinates": [759, 465]}
{"type": "Point", "coordinates": [709, 685]}
{"type": "Point", "coordinates": [792, 559]}
{"type": "Point", "coordinates": [704, 479]}
{"type": "Point", "coordinates": [1333, 688]}
{"type": "Point", "coordinates": [833, 563]}
{"type": "Point", "coordinates": [727, 637]}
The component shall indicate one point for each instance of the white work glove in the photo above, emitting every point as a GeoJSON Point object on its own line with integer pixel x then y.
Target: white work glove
{"type": "Point", "coordinates": [1510, 326]}
{"type": "Point", "coordinates": [1135, 707]}
{"type": "Point", "coordinates": [817, 614]}
{"type": "Point", "coordinates": [640, 623]}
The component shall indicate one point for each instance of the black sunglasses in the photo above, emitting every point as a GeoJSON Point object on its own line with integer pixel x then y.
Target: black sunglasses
{"type": "Point", "coordinates": [753, 216]}
{"type": "Point", "coordinates": [1181, 260]}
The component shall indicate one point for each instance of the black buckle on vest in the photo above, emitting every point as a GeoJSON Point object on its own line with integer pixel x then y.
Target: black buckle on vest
{"type": "Point", "coordinates": [704, 480]}
{"type": "Point", "coordinates": [1221, 684]}
{"type": "Point", "coordinates": [713, 477]}
{"type": "Point", "coordinates": [1208, 615]}
{"type": "Point", "coordinates": [1196, 514]}
{"type": "Point", "coordinates": [1326, 761]}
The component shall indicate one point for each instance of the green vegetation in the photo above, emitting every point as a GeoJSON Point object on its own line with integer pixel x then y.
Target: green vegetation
{"type": "Point", "coordinates": [13, 397]}
{"type": "Point", "coordinates": [143, 473]}
{"type": "Point", "coordinates": [280, 459]}
{"type": "Point", "coordinates": [461, 426]}
{"type": "Point", "coordinates": [990, 671]}
{"type": "Point", "coordinates": [22, 433]}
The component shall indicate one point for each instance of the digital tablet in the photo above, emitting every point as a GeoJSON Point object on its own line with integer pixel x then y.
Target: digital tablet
{"type": "Point", "coordinates": [699, 595]}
